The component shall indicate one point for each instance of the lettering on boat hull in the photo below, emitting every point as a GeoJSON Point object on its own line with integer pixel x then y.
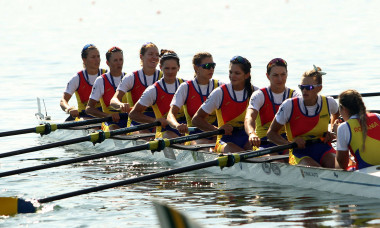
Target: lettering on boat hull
{"type": "Point", "coordinates": [308, 174]}
{"type": "Point", "coordinates": [269, 168]}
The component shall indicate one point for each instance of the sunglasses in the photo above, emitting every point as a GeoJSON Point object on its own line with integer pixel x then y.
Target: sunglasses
{"type": "Point", "coordinates": [114, 49]}
{"type": "Point", "coordinates": [308, 87]}
{"type": "Point", "coordinates": [207, 66]}
{"type": "Point", "coordinates": [275, 61]}
{"type": "Point", "coordinates": [239, 58]}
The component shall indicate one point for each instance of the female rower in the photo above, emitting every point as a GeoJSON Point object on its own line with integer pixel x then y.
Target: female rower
{"type": "Point", "coordinates": [307, 117]}
{"type": "Point", "coordinates": [230, 102]}
{"type": "Point", "coordinates": [134, 84]}
{"type": "Point", "coordinates": [265, 102]}
{"type": "Point", "coordinates": [104, 89]}
{"type": "Point", "coordinates": [193, 93]}
{"type": "Point", "coordinates": [81, 83]}
{"type": "Point", "coordinates": [360, 134]}
{"type": "Point", "coordinates": [159, 95]}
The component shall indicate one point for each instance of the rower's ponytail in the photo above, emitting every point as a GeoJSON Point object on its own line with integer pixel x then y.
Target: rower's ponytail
{"type": "Point", "coordinates": [352, 100]}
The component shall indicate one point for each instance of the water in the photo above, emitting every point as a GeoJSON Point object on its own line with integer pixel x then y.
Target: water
{"type": "Point", "coordinates": [40, 43]}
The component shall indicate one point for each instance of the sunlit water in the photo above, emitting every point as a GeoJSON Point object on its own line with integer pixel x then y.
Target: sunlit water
{"type": "Point", "coordinates": [40, 43]}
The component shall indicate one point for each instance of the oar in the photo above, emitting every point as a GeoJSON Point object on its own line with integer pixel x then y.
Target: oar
{"type": "Point", "coordinates": [96, 137]}
{"type": "Point", "coordinates": [363, 95]}
{"type": "Point", "coordinates": [49, 127]}
{"type": "Point", "coordinates": [11, 206]}
{"type": "Point", "coordinates": [155, 145]}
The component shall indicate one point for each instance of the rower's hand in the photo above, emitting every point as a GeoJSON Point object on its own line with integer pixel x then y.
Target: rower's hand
{"type": "Point", "coordinates": [163, 122]}
{"type": "Point", "coordinates": [115, 117]}
{"type": "Point", "coordinates": [125, 108]}
{"type": "Point", "coordinates": [227, 129]}
{"type": "Point", "coordinates": [301, 143]}
{"type": "Point", "coordinates": [336, 124]}
{"type": "Point", "coordinates": [74, 113]}
{"type": "Point", "coordinates": [328, 137]}
{"type": "Point", "coordinates": [254, 140]}
{"type": "Point", "coordinates": [182, 128]}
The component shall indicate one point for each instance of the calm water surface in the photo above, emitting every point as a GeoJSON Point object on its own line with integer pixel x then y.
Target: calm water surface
{"type": "Point", "coordinates": [40, 43]}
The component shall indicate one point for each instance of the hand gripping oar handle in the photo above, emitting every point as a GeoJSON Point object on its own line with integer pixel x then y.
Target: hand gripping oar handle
{"type": "Point", "coordinates": [49, 127]}
{"type": "Point", "coordinates": [96, 137]}
{"type": "Point", "coordinates": [155, 145]}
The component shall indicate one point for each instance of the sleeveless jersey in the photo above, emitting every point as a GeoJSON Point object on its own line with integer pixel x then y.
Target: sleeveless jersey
{"type": "Point", "coordinates": [267, 112]}
{"type": "Point", "coordinates": [370, 156]}
{"type": "Point", "coordinates": [194, 101]}
{"type": "Point", "coordinates": [109, 91]}
{"type": "Point", "coordinates": [84, 89]}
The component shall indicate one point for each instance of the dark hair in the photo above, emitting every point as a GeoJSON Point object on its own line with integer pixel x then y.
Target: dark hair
{"type": "Point", "coordinates": [112, 50]}
{"type": "Point", "coordinates": [168, 54]}
{"type": "Point", "coordinates": [86, 49]}
{"type": "Point", "coordinates": [276, 62]}
{"type": "Point", "coordinates": [245, 65]}
{"type": "Point", "coordinates": [145, 47]}
{"type": "Point", "coordinates": [198, 57]}
{"type": "Point", "coordinates": [352, 100]}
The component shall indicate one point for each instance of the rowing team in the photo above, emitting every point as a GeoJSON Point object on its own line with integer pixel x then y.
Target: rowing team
{"type": "Point", "coordinates": [248, 115]}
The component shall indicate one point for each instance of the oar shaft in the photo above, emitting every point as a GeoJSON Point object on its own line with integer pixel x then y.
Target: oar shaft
{"type": "Point", "coordinates": [134, 128]}
{"type": "Point", "coordinates": [18, 132]}
{"type": "Point", "coordinates": [83, 122]}
{"type": "Point", "coordinates": [44, 147]}
{"type": "Point", "coordinates": [363, 95]}
{"type": "Point", "coordinates": [132, 181]}
{"type": "Point", "coordinates": [75, 160]}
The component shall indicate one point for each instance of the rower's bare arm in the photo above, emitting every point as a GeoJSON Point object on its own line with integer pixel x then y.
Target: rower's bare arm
{"type": "Point", "coordinates": [137, 114]}
{"type": "Point", "coordinates": [250, 126]}
{"type": "Point", "coordinates": [200, 121]}
{"type": "Point", "coordinates": [274, 135]}
{"type": "Point", "coordinates": [93, 111]}
{"type": "Point", "coordinates": [116, 102]}
{"type": "Point", "coordinates": [171, 118]}
{"type": "Point", "coordinates": [342, 158]}
{"type": "Point", "coordinates": [333, 118]}
{"type": "Point", "coordinates": [64, 103]}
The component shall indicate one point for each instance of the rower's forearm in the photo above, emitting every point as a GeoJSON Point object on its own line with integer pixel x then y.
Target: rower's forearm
{"type": "Point", "coordinates": [249, 126]}
{"type": "Point", "coordinates": [276, 138]}
{"type": "Point", "coordinates": [140, 117]}
{"type": "Point", "coordinates": [203, 124]}
{"type": "Point", "coordinates": [172, 120]}
{"type": "Point", "coordinates": [96, 112]}
{"type": "Point", "coordinates": [115, 103]}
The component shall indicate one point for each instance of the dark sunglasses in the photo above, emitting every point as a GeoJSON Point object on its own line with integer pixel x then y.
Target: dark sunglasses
{"type": "Point", "coordinates": [239, 58]}
{"type": "Point", "coordinates": [114, 49]}
{"type": "Point", "coordinates": [207, 66]}
{"type": "Point", "coordinates": [275, 61]}
{"type": "Point", "coordinates": [308, 87]}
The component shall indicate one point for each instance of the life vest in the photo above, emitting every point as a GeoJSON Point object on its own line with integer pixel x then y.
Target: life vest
{"type": "Point", "coordinates": [267, 112]}
{"type": "Point", "coordinates": [231, 111]}
{"type": "Point", "coordinates": [109, 91]}
{"type": "Point", "coordinates": [194, 101]}
{"type": "Point", "coordinates": [162, 104]}
{"type": "Point", "coordinates": [307, 127]}
{"type": "Point", "coordinates": [138, 88]}
{"type": "Point", "coordinates": [370, 156]}
{"type": "Point", "coordinates": [84, 89]}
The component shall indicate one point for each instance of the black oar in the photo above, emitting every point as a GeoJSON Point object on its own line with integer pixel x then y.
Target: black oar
{"type": "Point", "coordinates": [49, 127]}
{"type": "Point", "coordinates": [363, 95]}
{"type": "Point", "coordinates": [96, 137]}
{"type": "Point", "coordinates": [7, 204]}
{"type": "Point", "coordinates": [155, 145]}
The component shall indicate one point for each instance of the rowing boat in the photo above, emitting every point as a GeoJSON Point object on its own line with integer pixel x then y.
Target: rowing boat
{"type": "Point", "coordinates": [272, 169]}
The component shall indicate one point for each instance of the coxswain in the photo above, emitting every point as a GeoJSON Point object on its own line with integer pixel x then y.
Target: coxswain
{"type": "Point", "coordinates": [359, 136]}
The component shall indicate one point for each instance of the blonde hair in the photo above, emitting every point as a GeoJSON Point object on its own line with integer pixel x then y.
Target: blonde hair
{"type": "Point", "coordinates": [352, 100]}
{"type": "Point", "coordinates": [315, 73]}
